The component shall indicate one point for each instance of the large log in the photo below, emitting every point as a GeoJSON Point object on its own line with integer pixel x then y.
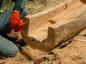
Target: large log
{"type": "Point", "coordinates": [57, 34]}
{"type": "Point", "coordinates": [39, 36]}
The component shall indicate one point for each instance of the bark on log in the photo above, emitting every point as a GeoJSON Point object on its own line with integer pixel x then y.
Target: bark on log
{"type": "Point", "coordinates": [59, 34]}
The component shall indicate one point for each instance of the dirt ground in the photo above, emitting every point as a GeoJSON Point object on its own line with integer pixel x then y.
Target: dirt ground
{"type": "Point", "coordinates": [74, 51]}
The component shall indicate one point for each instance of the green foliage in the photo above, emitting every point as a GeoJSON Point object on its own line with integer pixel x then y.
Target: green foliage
{"type": "Point", "coordinates": [6, 5]}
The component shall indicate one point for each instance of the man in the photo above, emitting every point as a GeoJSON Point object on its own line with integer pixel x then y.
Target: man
{"type": "Point", "coordinates": [12, 13]}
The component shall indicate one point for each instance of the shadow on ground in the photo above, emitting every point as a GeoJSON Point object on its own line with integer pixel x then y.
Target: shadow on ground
{"type": "Point", "coordinates": [83, 1]}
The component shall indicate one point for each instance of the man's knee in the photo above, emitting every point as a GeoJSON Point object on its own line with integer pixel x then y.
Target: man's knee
{"type": "Point", "coordinates": [7, 48]}
{"type": "Point", "coordinates": [13, 51]}
{"type": "Point", "coordinates": [10, 52]}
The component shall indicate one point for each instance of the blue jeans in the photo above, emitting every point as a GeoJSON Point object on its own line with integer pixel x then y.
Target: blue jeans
{"type": "Point", "coordinates": [7, 48]}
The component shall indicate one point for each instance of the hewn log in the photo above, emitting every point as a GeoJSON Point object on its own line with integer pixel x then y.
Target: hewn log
{"type": "Point", "coordinates": [57, 34]}
{"type": "Point", "coordinates": [39, 37]}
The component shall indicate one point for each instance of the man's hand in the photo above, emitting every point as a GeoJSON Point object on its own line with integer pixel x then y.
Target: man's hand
{"type": "Point", "coordinates": [15, 22]}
